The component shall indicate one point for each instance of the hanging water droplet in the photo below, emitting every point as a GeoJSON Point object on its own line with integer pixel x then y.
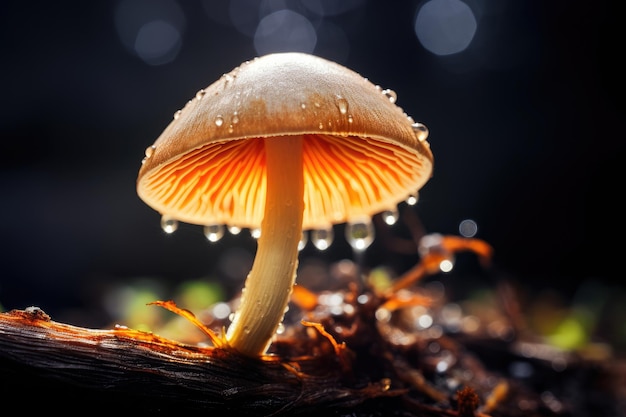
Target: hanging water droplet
{"type": "Point", "coordinates": [200, 94]}
{"type": "Point", "coordinates": [350, 118]}
{"type": "Point", "coordinates": [219, 120]}
{"type": "Point", "coordinates": [177, 114]}
{"type": "Point", "coordinates": [280, 329]}
{"type": "Point", "coordinates": [303, 240]}
{"type": "Point", "coordinates": [360, 234]}
{"type": "Point", "coordinates": [390, 216]}
{"type": "Point", "coordinates": [256, 232]}
{"type": "Point", "coordinates": [391, 95]}
{"type": "Point", "coordinates": [421, 131]}
{"type": "Point", "coordinates": [234, 230]}
{"type": "Point", "coordinates": [230, 128]}
{"type": "Point", "coordinates": [303, 106]}
{"type": "Point", "coordinates": [150, 151]}
{"type": "Point", "coordinates": [322, 238]}
{"type": "Point", "coordinates": [168, 224]}
{"type": "Point", "coordinates": [342, 103]}
{"type": "Point", "coordinates": [214, 232]}
{"type": "Point", "coordinates": [321, 126]}
{"type": "Point", "coordinates": [412, 199]}
{"type": "Point", "coordinates": [235, 118]}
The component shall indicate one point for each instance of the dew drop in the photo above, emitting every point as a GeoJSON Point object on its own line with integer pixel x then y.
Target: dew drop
{"type": "Point", "coordinates": [303, 106]}
{"type": "Point", "coordinates": [256, 232]}
{"type": "Point", "coordinates": [168, 224]}
{"type": "Point", "coordinates": [280, 329]}
{"type": "Point", "coordinates": [150, 151]}
{"type": "Point", "coordinates": [200, 94]}
{"type": "Point", "coordinates": [342, 103]}
{"type": "Point", "coordinates": [412, 199]}
{"type": "Point", "coordinates": [391, 95]}
{"type": "Point", "coordinates": [316, 104]}
{"type": "Point", "coordinates": [177, 114]}
{"type": "Point", "coordinates": [390, 216]}
{"type": "Point", "coordinates": [235, 118]}
{"type": "Point", "coordinates": [214, 232]}
{"type": "Point", "coordinates": [421, 131]}
{"type": "Point", "coordinates": [219, 120]}
{"type": "Point", "coordinates": [321, 126]}
{"type": "Point", "coordinates": [303, 240]}
{"type": "Point", "coordinates": [230, 128]}
{"type": "Point", "coordinates": [360, 234]}
{"type": "Point", "coordinates": [322, 238]}
{"type": "Point", "coordinates": [234, 230]}
{"type": "Point", "coordinates": [350, 118]}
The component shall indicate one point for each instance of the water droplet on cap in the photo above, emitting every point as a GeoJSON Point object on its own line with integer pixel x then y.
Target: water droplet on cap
{"type": "Point", "coordinates": [421, 131]}
{"type": "Point", "coordinates": [219, 120]}
{"type": "Point", "coordinates": [342, 103]}
{"type": "Point", "coordinates": [391, 95]}
{"type": "Point", "coordinates": [200, 94]}
{"type": "Point", "coordinates": [177, 114]}
{"type": "Point", "coordinates": [150, 151]}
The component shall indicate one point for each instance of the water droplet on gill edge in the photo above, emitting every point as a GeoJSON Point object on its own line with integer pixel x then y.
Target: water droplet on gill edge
{"type": "Point", "coordinates": [168, 224]}
{"type": "Point", "coordinates": [322, 238]}
{"type": "Point", "coordinates": [360, 234]}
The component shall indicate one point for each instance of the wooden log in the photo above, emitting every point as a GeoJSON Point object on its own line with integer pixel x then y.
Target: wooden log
{"type": "Point", "coordinates": [47, 365]}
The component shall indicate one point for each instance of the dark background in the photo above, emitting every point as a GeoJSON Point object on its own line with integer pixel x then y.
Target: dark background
{"type": "Point", "coordinates": [523, 126]}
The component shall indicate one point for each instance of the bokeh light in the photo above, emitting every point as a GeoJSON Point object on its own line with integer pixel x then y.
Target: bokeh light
{"type": "Point", "coordinates": [445, 27]}
{"type": "Point", "coordinates": [151, 30]}
{"type": "Point", "coordinates": [284, 31]}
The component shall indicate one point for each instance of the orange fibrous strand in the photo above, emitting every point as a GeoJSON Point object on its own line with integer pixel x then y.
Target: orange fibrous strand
{"type": "Point", "coordinates": [216, 340]}
{"type": "Point", "coordinates": [341, 350]}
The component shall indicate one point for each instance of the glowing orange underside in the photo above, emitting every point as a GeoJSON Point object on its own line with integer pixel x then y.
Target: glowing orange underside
{"type": "Point", "coordinates": [224, 183]}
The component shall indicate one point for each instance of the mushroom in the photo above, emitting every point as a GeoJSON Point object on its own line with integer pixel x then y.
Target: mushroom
{"type": "Point", "coordinates": [286, 142]}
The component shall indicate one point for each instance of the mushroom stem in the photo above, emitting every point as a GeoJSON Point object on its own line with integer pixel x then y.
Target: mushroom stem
{"type": "Point", "coordinates": [269, 284]}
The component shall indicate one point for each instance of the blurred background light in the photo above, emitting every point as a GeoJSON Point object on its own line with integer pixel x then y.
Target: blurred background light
{"type": "Point", "coordinates": [331, 7]}
{"type": "Point", "coordinates": [468, 228]}
{"type": "Point", "coordinates": [150, 29]}
{"type": "Point", "coordinates": [158, 42]}
{"type": "Point", "coordinates": [445, 27]}
{"type": "Point", "coordinates": [284, 31]}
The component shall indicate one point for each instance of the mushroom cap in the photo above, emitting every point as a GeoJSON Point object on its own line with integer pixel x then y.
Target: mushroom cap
{"type": "Point", "coordinates": [362, 154]}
